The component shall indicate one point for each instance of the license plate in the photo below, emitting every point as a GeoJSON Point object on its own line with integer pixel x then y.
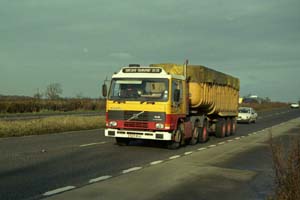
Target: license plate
{"type": "Point", "coordinates": [132, 135]}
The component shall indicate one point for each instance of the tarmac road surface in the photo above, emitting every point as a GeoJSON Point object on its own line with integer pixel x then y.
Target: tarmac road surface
{"type": "Point", "coordinates": [43, 166]}
{"type": "Point", "coordinates": [240, 169]}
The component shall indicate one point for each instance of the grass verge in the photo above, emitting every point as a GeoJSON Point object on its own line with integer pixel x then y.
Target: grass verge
{"type": "Point", "coordinates": [286, 163]}
{"type": "Point", "coordinates": [50, 125]}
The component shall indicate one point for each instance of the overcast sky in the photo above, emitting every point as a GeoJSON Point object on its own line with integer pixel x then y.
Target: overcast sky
{"type": "Point", "coordinates": [77, 43]}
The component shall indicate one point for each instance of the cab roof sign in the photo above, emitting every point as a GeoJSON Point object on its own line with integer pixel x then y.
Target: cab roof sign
{"type": "Point", "coordinates": [141, 70]}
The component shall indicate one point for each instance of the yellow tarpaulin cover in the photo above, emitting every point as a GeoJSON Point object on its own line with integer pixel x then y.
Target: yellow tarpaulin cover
{"type": "Point", "coordinates": [199, 73]}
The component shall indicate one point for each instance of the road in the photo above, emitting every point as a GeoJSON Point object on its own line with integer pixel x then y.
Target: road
{"type": "Point", "coordinates": [34, 167]}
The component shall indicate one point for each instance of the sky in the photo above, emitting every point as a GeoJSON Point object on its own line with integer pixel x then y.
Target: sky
{"type": "Point", "coordinates": [78, 43]}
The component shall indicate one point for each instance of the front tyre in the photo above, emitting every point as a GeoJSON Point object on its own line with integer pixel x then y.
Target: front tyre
{"type": "Point", "coordinates": [178, 138]}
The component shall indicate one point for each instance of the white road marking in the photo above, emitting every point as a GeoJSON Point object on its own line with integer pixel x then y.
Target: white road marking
{"type": "Point", "coordinates": [237, 138]}
{"type": "Point", "coordinates": [156, 162]}
{"type": "Point", "coordinates": [174, 157]}
{"type": "Point", "coordinates": [59, 190]}
{"type": "Point", "coordinates": [91, 144]}
{"type": "Point", "coordinates": [229, 140]}
{"type": "Point", "coordinates": [243, 136]}
{"type": "Point", "coordinates": [187, 153]}
{"type": "Point", "coordinates": [201, 149]}
{"type": "Point", "coordinates": [102, 178]}
{"type": "Point", "coordinates": [131, 170]}
{"type": "Point", "coordinates": [211, 146]}
{"type": "Point", "coordinates": [221, 143]}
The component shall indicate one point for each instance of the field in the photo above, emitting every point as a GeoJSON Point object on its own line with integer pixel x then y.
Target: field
{"type": "Point", "coordinates": [49, 125]}
{"type": "Point", "coordinates": [31, 105]}
{"type": "Point", "coordinates": [28, 106]}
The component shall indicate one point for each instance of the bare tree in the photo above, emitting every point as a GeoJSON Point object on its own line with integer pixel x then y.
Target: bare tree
{"type": "Point", "coordinates": [53, 91]}
{"type": "Point", "coordinates": [38, 94]}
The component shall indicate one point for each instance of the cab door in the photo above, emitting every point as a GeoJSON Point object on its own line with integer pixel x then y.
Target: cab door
{"type": "Point", "coordinates": [177, 103]}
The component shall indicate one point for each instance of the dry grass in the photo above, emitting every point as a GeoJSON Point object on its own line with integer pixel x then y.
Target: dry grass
{"type": "Point", "coordinates": [286, 163]}
{"type": "Point", "coordinates": [32, 105]}
{"type": "Point", "coordinates": [50, 125]}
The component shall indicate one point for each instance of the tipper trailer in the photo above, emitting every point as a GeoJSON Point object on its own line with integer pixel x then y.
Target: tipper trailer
{"type": "Point", "coordinates": [169, 102]}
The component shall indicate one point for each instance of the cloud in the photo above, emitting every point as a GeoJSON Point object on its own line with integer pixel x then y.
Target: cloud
{"type": "Point", "coordinates": [259, 38]}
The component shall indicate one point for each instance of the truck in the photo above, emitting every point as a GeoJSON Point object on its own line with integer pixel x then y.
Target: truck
{"type": "Point", "coordinates": [176, 103]}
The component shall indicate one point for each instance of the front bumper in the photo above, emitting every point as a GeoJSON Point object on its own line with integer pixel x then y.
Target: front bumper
{"type": "Point", "coordinates": [149, 135]}
{"type": "Point", "coordinates": [243, 120]}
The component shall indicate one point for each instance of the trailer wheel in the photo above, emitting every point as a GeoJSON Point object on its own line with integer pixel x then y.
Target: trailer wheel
{"type": "Point", "coordinates": [220, 128]}
{"type": "Point", "coordinates": [228, 127]}
{"type": "Point", "coordinates": [122, 141]}
{"type": "Point", "coordinates": [233, 126]}
{"type": "Point", "coordinates": [178, 138]}
{"type": "Point", "coordinates": [195, 136]}
{"type": "Point", "coordinates": [203, 133]}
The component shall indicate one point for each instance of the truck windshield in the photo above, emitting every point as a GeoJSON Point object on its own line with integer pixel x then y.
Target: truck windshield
{"type": "Point", "coordinates": [146, 89]}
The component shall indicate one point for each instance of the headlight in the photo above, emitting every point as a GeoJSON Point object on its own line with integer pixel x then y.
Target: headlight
{"type": "Point", "coordinates": [113, 123]}
{"type": "Point", "coordinates": [159, 126]}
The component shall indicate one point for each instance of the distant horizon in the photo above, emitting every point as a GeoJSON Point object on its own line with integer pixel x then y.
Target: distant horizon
{"type": "Point", "coordinates": [100, 97]}
{"type": "Point", "coordinates": [61, 97]}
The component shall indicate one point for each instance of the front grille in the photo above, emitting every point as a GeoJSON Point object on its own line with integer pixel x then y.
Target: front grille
{"type": "Point", "coordinates": [140, 117]}
{"type": "Point", "coordinates": [143, 125]}
{"type": "Point", "coordinates": [137, 116]}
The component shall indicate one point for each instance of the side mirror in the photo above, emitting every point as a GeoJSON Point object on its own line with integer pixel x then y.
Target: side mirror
{"type": "Point", "coordinates": [176, 95]}
{"type": "Point", "coordinates": [104, 90]}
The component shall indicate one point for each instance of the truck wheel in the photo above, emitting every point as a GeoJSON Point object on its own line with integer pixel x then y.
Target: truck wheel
{"type": "Point", "coordinates": [195, 136]}
{"type": "Point", "coordinates": [203, 133]}
{"type": "Point", "coordinates": [122, 141]}
{"type": "Point", "coordinates": [228, 127]}
{"type": "Point", "coordinates": [233, 126]}
{"type": "Point", "coordinates": [178, 138]}
{"type": "Point", "coordinates": [220, 128]}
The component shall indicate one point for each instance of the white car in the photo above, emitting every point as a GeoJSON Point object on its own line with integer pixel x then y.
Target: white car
{"type": "Point", "coordinates": [294, 105]}
{"type": "Point", "coordinates": [247, 114]}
